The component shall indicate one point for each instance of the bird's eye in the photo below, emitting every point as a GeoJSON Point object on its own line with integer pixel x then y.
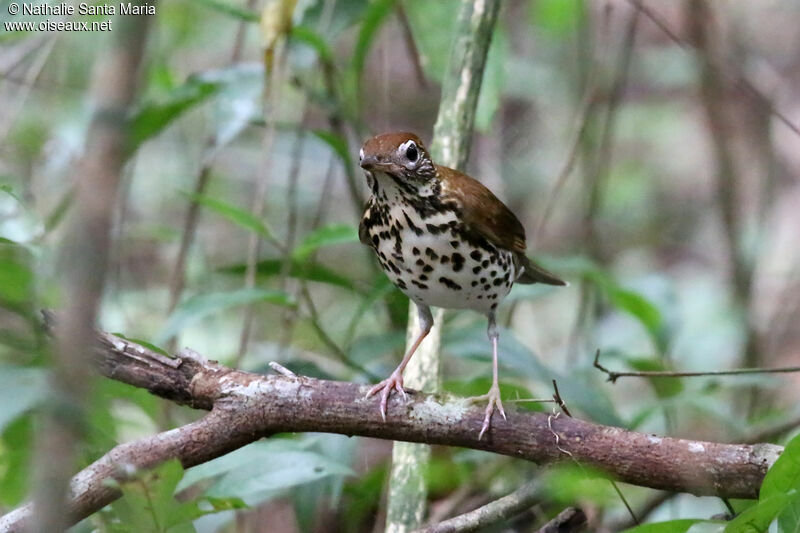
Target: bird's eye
{"type": "Point", "coordinates": [361, 154]}
{"type": "Point", "coordinates": [411, 152]}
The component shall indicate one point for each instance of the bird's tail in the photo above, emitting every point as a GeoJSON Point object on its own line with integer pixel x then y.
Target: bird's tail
{"type": "Point", "coordinates": [533, 273]}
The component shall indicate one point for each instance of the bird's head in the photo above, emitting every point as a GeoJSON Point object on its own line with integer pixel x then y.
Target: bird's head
{"type": "Point", "coordinates": [401, 156]}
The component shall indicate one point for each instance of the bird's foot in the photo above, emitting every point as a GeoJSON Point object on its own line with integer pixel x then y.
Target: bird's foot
{"type": "Point", "coordinates": [493, 396]}
{"type": "Point", "coordinates": [385, 387]}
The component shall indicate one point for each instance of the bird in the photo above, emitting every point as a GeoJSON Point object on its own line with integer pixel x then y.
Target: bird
{"type": "Point", "coordinates": [445, 240]}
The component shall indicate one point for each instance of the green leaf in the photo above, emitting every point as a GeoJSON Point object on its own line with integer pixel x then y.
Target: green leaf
{"type": "Point", "coordinates": [337, 144]}
{"type": "Point", "coordinates": [784, 475]}
{"type": "Point", "coordinates": [671, 526]}
{"type": "Point", "coordinates": [559, 17]}
{"type": "Point", "coordinates": [663, 387]}
{"type": "Point", "coordinates": [310, 271]}
{"type": "Point", "coordinates": [148, 503]}
{"type": "Point", "coordinates": [308, 36]}
{"type": "Point", "coordinates": [21, 389]}
{"type": "Point", "coordinates": [203, 305]}
{"type": "Point", "coordinates": [631, 302]}
{"type": "Point", "coordinates": [237, 215]}
{"type": "Point", "coordinates": [757, 518]}
{"type": "Point", "coordinates": [16, 276]}
{"type": "Point", "coordinates": [325, 236]}
{"type": "Point", "coordinates": [262, 470]}
{"type": "Point", "coordinates": [16, 457]}
{"type": "Point", "coordinates": [568, 483]}
{"type": "Point", "coordinates": [374, 16]}
{"type": "Point", "coordinates": [152, 117]}
{"type": "Point", "coordinates": [517, 360]}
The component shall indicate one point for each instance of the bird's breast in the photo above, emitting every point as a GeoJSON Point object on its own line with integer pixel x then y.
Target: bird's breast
{"type": "Point", "coordinates": [427, 254]}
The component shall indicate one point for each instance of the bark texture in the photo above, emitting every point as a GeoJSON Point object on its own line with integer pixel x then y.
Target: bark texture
{"type": "Point", "coordinates": [245, 407]}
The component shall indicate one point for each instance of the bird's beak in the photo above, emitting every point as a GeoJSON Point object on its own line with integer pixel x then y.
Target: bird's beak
{"type": "Point", "coordinates": [370, 162]}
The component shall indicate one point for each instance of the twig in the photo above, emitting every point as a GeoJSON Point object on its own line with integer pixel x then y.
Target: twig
{"type": "Point", "coordinates": [582, 122]}
{"type": "Point", "coordinates": [489, 514]}
{"type": "Point", "coordinates": [613, 375]}
{"type": "Point", "coordinates": [282, 370]}
{"type": "Point", "coordinates": [557, 398]}
{"type": "Point", "coordinates": [570, 520]}
{"type": "Point", "coordinates": [624, 501]}
{"type": "Point", "coordinates": [411, 45]}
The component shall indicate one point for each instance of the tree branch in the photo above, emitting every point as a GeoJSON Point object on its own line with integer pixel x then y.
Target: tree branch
{"type": "Point", "coordinates": [245, 407]}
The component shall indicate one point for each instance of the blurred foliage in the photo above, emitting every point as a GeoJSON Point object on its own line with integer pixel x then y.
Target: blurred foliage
{"type": "Point", "coordinates": [651, 288]}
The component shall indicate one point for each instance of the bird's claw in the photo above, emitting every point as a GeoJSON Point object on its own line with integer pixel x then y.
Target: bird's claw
{"type": "Point", "coordinates": [385, 387]}
{"type": "Point", "coordinates": [494, 400]}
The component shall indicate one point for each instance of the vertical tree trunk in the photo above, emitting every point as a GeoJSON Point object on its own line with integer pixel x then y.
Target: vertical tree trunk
{"type": "Point", "coordinates": [452, 135]}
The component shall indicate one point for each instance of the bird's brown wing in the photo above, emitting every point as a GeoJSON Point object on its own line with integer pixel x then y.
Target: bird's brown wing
{"type": "Point", "coordinates": [486, 216]}
{"type": "Point", "coordinates": [483, 213]}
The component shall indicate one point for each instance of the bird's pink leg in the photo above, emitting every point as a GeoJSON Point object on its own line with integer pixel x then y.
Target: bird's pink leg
{"type": "Point", "coordinates": [395, 380]}
{"type": "Point", "coordinates": [494, 391]}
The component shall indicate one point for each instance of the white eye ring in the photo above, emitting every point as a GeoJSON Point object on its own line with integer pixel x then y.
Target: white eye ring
{"type": "Point", "coordinates": [403, 149]}
{"type": "Point", "coordinates": [361, 154]}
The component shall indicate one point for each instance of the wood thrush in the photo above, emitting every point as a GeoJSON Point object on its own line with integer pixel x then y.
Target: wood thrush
{"type": "Point", "coordinates": [444, 239]}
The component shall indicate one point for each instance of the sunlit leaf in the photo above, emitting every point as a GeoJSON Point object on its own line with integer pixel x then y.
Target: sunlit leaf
{"type": "Point", "coordinates": [203, 305]}
{"type": "Point", "coordinates": [16, 276]}
{"type": "Point", "coordinates": [782, 478]}
{"type": "Point", "coordinates": [784, 475]}
{"type": "Point", "coordinates": [557, 16]}
{"type": "Point", "coordinates": [758, 517]}
{"type": "Point", "coordinates": [16, 452]}
{"type": "Point", "coordinates": [325, 236]}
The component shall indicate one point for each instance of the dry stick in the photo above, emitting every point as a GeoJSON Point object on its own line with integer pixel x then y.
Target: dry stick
{"type": "Point", "coordinates": [245, 407]}
{"type": "Point", "coordinates": [613, 376]}
{"type": "Point", "coordinates": [570, 520]}
{"type": "Point", "coordinates": [86, 257]}
{"type": "Point", "coordinates": [491, 513]}
{"type": "Point", "coordinates": [718, 67]}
